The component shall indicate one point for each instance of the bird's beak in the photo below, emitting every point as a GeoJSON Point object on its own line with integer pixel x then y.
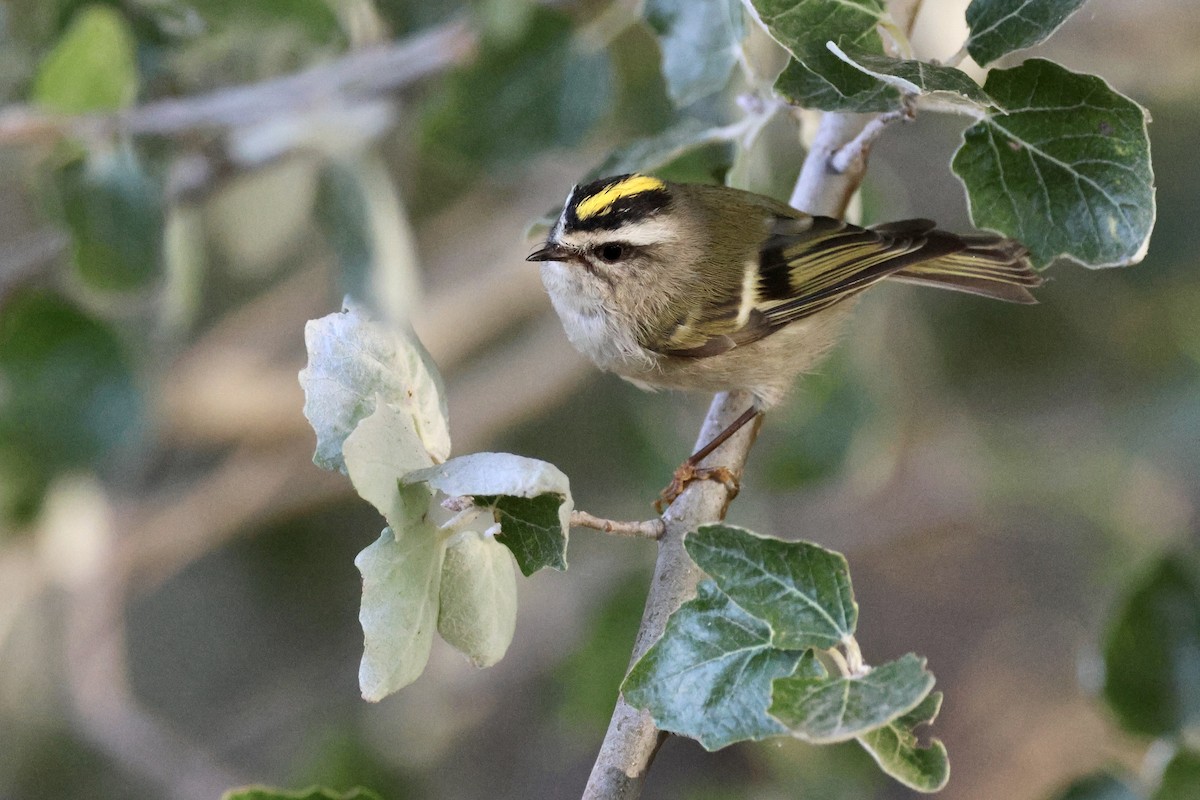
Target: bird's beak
{"type": "Point", "coordinates": [551, 251]}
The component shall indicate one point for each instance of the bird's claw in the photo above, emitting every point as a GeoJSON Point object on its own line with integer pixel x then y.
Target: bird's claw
{"type": "Point", "coordinates": [688, 473]}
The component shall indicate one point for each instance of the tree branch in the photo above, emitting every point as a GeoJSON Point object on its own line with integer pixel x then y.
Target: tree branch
{"type": "Point", "coordinates": [363, 74]}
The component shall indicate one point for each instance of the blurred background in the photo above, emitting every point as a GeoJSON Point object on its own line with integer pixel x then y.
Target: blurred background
{"type": "Point", "coordinates": [178, 601]}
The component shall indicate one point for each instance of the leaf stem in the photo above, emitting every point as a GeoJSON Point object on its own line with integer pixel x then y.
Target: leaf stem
{"type": "Point", "coordinates": [647, 529]}
{"type": "Point", "coordinates": [854, 153]}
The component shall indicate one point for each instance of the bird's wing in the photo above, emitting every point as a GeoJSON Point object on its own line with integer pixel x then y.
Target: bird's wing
{"type": "Point", "coordinates": [804, 265]}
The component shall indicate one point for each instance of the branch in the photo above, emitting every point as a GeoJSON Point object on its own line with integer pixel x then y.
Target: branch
{"type": "Point", "coordinates": [649, 529]}
{"type": "Point", "coordinates": [363, 74]}
{"type": "Point", "coordinates": [632, 739]}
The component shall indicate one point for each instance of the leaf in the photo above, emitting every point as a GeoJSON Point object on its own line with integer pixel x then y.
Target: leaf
{"type": "Point", "coordinates": [654, 152]}
{"type": "Point", "coordinates": [1152, 652]}
{"type": "Point", "coordinates": [381, 450]}
{"type": "Point", "coordinates": [817, 78]}
{"type": "Point", "coordinates": [401, 574]}
{"type": "Point", "coordinates": [1063, 165]}
{"type": "Point", "coordinates": [521, 95]}
{"type": "Point", "coordinates": [827, 710]}
{"type": "Point", "coordinates": [1181, 779]}
{"type": "Point", "coordinates": [700, 40]}
{"type": "Point", "coordinates": [364, 220]}
{"type": "Point", "coordinates": [1098, 787]}
{"type": "Point", "coordinates": [93, 67]}
{"type": "Point", "coordinates": [477, 611]}
{"type": "Point", "coordinates": [897, 752]}
{"type": "Point", "coordinates": [68, 396]}
{"type": "Point", "coordinates": [1002, 26]}
{"type": "Point", "coordinates": [801, 590]}
{"type": "Point", "coordinates": [352, 361]}
{"type": "Point", "coordinates": [709, 675]}
{"type": "Point", "coordinates": [530, 499]}
{"type": "Point", "coordinates": [915, 77]}
{"type": "Point", "coordinates": [311, 793]}
{"type": "Point", "coordinates": [114, 211]}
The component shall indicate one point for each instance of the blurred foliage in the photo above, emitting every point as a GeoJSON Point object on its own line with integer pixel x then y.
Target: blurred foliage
{"type": "Point", "coordinates": [68, 396]}
{"type": "Point", "coordinates": [1076, 420]}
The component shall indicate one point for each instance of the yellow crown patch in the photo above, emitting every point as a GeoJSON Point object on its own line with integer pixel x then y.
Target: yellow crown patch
{"type": "Point", "coordinates": [602, 201]}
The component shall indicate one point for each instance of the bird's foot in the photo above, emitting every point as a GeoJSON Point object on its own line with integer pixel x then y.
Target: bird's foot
{"type": "Point", "coordinates": [688, 473]}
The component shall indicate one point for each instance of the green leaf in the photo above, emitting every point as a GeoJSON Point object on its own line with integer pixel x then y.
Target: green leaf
{"type": "Point", "coordinates": [311, 793]}
{"type": "Point", "coordinates": [801, 590]}
{"type": "Point", "coordinates": [93, 67]}
{"type": "Point", "coordinates": [826, 710]}
{"type": "Point", "coordinates": [381, 450]}
{"type": "Point", "coordinates": [1002, 26]}
{"type": "Point", "coordinates": [520, 96]}
{"type": "Point", "coordinates": [114, 211]}
{"type": "Point", "coordinates": [915, 77]}
{"type": "Point", "coordinates": [1152, 652]}
{"type": "Point", "coordinates": [654, 152]}
{"type": "Point", "coordinates": [68, 396]}
{"type": "Point", "coordinates": [401, 575]}
{"type": "Point", "coordinates": [896, 749]}
{"type": "Point", "coordinates": [351, 362]}
{"type": "Point", "coordinates": [530, 499]}
{"type": "Point", "coordinates": [709, 675]}
{"type": "Point", "coordinates": [817, 78]}
{"type": "Point", "coordinates": [1063, 165]}
{"type": "Point", "coordinates": [1098, 787]}
{"type": "Point", "coordinates": [1181, 779]}
{"type": "Point", "coordinates": [477, 611]}
{"type": "Point", "coordinates": [700, 40]}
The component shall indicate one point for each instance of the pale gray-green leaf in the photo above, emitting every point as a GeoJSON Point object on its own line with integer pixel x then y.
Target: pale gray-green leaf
{"type": "Point", "coordinates": [477, 611]}
{"type": "Point", "coordinates": [897, 751]}
{"type": "Point", "coordinates": [351, 361]}
{"type": "Point", "coordinates": [530, 499]}
{"type": "Point", "coordinates": [801, 590]}
{"type": "Point", "coordinates": [816, 78]}
{"type": "Point", "coordinates": [1063, 165]}
{"type": "Point", "coordinates": [699, 41]}
{"type": "Point", "coordinates": [709, 676]}
{"type": "Point", "coordinates": [1002, 26]}
{"type": "Point", "coordinates": [400, 573]}
{"type": "Point", "coordinates": [915, 77]}
{"type": "Point", "coordinates": [381, 450]}
{"type": "Point", "coordinates": [822, 711]}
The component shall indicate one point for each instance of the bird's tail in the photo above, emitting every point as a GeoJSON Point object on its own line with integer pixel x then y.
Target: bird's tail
{"type": "Point", "coordinates": [983, 264]}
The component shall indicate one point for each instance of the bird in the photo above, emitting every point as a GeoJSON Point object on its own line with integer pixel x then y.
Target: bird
{"type": "Point", "coordinates": [707, 287]}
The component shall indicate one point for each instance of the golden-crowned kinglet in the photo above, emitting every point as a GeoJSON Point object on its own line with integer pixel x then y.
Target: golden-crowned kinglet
{"type": "Point", "coordinates": [688, 286]}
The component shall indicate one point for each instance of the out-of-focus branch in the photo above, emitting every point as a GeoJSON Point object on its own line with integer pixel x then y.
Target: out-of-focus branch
{"type": "Point", "coordinates": [363, 74]}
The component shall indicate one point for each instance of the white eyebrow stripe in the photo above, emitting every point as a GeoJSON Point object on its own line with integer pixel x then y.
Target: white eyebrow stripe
{"type": "Point", "coordinates": [639, 234]}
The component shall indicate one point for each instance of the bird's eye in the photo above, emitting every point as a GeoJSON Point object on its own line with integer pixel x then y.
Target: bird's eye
{"type": "Point", "coordinates": [612, 252]}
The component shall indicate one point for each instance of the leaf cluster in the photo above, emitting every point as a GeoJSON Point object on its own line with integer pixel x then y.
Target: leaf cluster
{"type": "Point", "coordinates": [376, 402]}
{"type": "Point", "coordinates": [749, 658]}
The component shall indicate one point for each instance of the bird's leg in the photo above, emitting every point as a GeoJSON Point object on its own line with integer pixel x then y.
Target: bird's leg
{"type": "Point", "coordinates": [688, 471]}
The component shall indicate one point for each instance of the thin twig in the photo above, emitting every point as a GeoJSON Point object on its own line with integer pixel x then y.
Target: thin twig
{"type": "Point", "coordinates": [647, 529]}
{"type": "Point", "coordinates": [362, 74]}
{"type": "Point", "coordinates": [855, 152]}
